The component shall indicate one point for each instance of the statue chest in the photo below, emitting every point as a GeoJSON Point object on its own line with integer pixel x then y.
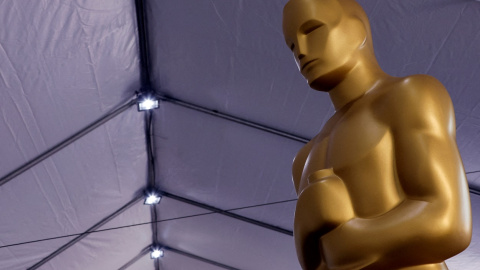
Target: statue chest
{"type": "Point", "coordinates": [346, 142]}
{"type": "Point", "coordinates": [359, 148]}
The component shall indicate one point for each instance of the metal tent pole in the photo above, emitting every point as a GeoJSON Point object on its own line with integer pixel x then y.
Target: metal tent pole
{"type": "Point", "coordinates": [186, 254]}
{"type": "Point", "coordinates": [226, 213]}
{"type": "Point", "coordinates": [135, 259]}
{"type": "Point", "coordinates": [235, 119]}
{"type": "Point", "coordinates": [102, 120]}
{"type": "Point", "coordinates": [87, 232]}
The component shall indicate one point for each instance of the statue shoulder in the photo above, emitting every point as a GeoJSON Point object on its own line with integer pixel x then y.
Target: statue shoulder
{"type": "Point", "coordinates": [418, 89]}
{"type": "Point", "coordinates": [418, 101]}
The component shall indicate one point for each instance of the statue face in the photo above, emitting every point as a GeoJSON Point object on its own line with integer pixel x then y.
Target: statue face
{"type": "Point", "coordinates": [323, 39]}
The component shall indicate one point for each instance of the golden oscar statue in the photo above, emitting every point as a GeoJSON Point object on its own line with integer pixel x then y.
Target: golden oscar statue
{"type": "Point", "coordinates": [382, 186]}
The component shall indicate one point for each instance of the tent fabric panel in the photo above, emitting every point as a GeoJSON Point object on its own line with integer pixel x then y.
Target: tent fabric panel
{"type": "Point", "coordinates": [77, 187]}
{"type": "Point", "coordinates": [23, 256]}
{"type": "Point", "coordinates": [226, 165]}
{"type": "Point", "coordinates": [123, 241]}
{"type": "Point", "coordinates": [105, 250]}
{"type": "Point", "coordinates": [174, 261]}
{"type": "Point", "coordinates": [230, 242]}
{"type": "Point", "coordinates": [468, 140]}
{"type": "Point", "coordinates": [215, 63]}
{"type": "Point", "coordinates": [144, 263]}
{"type": "Point", "coordinates": [474, 180]}
{"type": "Point", "coordinates": [133, 216]}
{"type": "Point", "coordinates": [231, 57]}
{"type": "Point", "coordinates": [64, 64]}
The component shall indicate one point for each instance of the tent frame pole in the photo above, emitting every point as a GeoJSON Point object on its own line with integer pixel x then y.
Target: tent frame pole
{"type": "Point", "coordinates": [77, 239]}
{"type": "Point", "coordinates": [198, 258]}
{"type": "Point", "coordinates": [226, 213]}
{"type": "Point", "coordinates": [142, 27]}
{"type": "Point", "coordinates": [48, 153]}
{"type": "Point", "coordinates": [135, 259]}
{"type": "Point", "coordinates": [235, 119]}
{"type": "Point", "coordinates": [146, 250]}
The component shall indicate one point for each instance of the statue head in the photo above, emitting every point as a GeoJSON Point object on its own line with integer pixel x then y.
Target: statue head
{"type": "Point", "coordinates": [328, 39]}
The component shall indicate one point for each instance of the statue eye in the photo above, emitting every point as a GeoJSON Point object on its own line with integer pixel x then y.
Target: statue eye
{"type": "Point", "coordinates": [311, 26]}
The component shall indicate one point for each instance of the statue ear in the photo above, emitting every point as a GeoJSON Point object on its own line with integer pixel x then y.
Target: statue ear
{"type": "Point", "coordinates": [356, 11]}
{"type": "Point", "coordinates": [359, 24]}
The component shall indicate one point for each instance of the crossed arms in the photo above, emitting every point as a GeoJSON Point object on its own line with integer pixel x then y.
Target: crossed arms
{"type": "Point", "coordinates": [431, 224]}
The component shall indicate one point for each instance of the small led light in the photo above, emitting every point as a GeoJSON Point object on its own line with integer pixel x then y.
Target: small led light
{"type": "Point", "coordinates": [147, 104]}
{"type": "Point", "coordinates": [152, 198]}
{"type": "Point", "coordinates": [156, 253]}
{"type": "Point", "coordinates": [147, 100]}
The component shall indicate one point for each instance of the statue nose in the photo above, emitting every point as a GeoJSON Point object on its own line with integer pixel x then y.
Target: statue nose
{"type": "Point", "coordinates": [300, 56]}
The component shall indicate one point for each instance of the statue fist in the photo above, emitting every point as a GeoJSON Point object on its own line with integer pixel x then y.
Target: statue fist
{"type": "Point", "coordinates": [323, 205]}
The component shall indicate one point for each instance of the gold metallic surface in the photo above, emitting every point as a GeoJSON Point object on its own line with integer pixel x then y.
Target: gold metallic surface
{"type": "Point", "coordinates": [382, 186]}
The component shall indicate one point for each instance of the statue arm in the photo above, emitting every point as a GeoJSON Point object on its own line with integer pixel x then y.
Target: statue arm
{"type": "Point", "coordinates": [433, 222]}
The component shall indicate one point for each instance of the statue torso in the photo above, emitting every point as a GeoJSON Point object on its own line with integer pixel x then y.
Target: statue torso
{"type": "Point", "coordinates": [359, 146]}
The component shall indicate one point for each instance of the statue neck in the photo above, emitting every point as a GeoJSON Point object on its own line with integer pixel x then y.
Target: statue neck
{"type": "Point", "coordinates": [363, 77]}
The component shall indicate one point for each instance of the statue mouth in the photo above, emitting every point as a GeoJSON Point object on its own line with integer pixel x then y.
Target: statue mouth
{"type": "Point", "coordinates": [307, 64]}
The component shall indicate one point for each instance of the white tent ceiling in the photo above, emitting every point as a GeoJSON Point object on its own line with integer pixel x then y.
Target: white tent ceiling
{"type": "Point", "coordinates": [66, 63]}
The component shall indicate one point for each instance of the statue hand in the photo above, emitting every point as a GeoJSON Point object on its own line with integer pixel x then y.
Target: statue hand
{"type": "Point", "coordinates": [322, 206]}
{"type": "Point", "coordinates": [343, 249]}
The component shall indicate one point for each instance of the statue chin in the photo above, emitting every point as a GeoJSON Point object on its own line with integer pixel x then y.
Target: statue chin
{"type": "Point", "coordinates": [327, 81]}
{"type": "Point", "coordinates": [319, 85]}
